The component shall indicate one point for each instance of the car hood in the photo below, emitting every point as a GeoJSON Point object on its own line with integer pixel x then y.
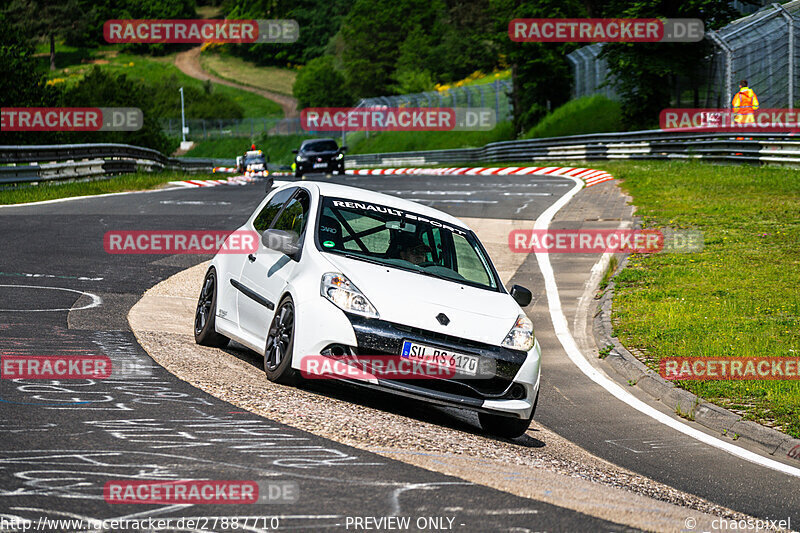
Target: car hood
{"type": "Point", "coordinates": [413, 299]}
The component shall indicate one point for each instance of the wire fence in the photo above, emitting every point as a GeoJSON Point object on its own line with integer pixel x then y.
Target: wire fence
{"type": "Point", "coordinates": [495, 95]}
{"type": "Point", "coordinates": [590, 73]}
{"type": "Point", "coordinates": [220, 128]}
{"type": "Point", "coordinates": [761, 48]}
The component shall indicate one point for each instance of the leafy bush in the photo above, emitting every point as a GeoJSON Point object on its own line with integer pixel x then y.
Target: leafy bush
{"type": "Point", "coordinates": [413, 81]}
{"type": "Point", "coordinates": [198, 103]}
{"type": "Point", "coordinates": [319, 84]}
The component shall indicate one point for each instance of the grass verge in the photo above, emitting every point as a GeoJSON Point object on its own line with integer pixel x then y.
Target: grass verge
{"type": "Point", "coordinates": [738, 297]}
{"type": "Point", "coordinates": [53, 190]}
{"type": "Point", "coordinates": [591, 114]}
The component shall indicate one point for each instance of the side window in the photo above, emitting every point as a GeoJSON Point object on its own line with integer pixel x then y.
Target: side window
{"type": "Point", "coordinates": [267, 214]}
{"type": "Point", "coordinates": [295, 216]}
{"type": "Point", "coordinates": [433, 238]}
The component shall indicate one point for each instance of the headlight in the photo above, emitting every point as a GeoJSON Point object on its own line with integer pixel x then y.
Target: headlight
{"type": "Point", "coordinates": [346, 296]}
{"type": "Point", "coordinates": [340, 156]}
{"type": "Point", "coordinates": [521, 335]}
{"type": "Point", "coordinates": [301, 159]}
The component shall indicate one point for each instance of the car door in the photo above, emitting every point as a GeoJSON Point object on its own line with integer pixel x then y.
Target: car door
{"type": "Point", "coordinates": [265, 274]}
{"type": "Point", "coordinates": [262, 221]}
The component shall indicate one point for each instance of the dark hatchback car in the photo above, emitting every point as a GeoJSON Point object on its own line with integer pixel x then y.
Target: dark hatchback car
{"type": "Point", "coordinates": [319, 155]}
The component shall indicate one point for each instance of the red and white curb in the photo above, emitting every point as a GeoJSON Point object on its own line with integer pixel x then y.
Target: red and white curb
{"type": "Point", "coordinates": [236, 180]}
{"type": "Point", "coordinates": [589, 176]}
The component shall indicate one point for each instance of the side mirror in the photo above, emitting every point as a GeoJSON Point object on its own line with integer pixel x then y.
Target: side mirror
{"type": "Point", "coordinates": [521, 295]}
{"type": "Point", "coordinates": [294, 151]}
{"type": "Point", "coordinates": [286, 242]}
{"type": "Point", "coordinates": [343, 149]}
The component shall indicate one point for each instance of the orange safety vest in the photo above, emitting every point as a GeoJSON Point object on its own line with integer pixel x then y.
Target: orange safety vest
{"type": "Point", "coordinates": [745, 101]}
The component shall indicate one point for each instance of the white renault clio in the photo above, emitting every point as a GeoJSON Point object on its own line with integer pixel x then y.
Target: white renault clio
{"type": "Point", "coordinates": [346, 272]}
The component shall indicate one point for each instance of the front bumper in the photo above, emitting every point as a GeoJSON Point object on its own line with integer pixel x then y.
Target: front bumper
{"type": "Point", "coordinates": [510, 389]}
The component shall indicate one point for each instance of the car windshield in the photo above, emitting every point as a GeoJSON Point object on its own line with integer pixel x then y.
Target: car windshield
{"type": "Point", "coordinates": [321, 146]}
{"type": "Point", "coordinates": [405, 240]}
{"type": "Point", "coordinates": [254, 160]}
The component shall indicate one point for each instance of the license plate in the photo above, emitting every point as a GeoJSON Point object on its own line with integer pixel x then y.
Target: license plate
{"type": "Point", "coordinates": [463, 363]}
{"type": "Point", "coordinates": [320, 165]}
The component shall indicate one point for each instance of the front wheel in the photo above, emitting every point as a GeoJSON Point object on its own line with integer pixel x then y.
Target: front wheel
{"type": "Point", "coordinates": [280, 345]}
{"type": "Point", "coordinates": [205, 332]}
{"type": "Point", "coordinates": [506, 426]}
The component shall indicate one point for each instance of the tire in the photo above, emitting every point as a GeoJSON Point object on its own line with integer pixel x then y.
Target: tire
{"type": "Point", "coordinates": [506, 426]}
{"type": "Point", "coordinates": [298, 174]}
{"type": "Point", "coordinates": [280, 345]}
{"type": "Point", "coordinates": [205, 332]}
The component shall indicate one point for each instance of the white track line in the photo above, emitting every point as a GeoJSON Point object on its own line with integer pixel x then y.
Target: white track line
{"type": "Point", "coordinates": [104, 195]}
{"type": "Point", "coordinates": [564, 335]}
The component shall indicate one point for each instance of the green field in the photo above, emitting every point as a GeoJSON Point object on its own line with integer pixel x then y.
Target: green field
{"type": "Point", "coordinates": [53, 190]}
{"type": "Point", "coordinates": [232, 68]}
{"type": "Point", "coordinates": [591, 114]}
{"type": "Point", "coordinates": [75, 63]}
{"type": "Point", "coordinates": [740, 296]}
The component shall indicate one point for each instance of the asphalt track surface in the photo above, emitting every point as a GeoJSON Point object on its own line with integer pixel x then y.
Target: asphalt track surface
{"type": "Point", "coordinates": [62, 441]}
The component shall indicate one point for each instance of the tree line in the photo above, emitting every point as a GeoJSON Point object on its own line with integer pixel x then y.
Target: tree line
{"type": "Point", "coordinates": [352, 49]}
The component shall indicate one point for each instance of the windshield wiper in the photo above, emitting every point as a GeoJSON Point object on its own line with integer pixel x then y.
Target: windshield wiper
{"type": "Point", "coordinates": [354, 255]}
{"type": "Point", "coordinates": [439, 276]}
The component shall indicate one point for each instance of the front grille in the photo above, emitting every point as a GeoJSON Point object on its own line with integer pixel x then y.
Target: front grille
{"type": "Point", "coordinates": [441, 337]}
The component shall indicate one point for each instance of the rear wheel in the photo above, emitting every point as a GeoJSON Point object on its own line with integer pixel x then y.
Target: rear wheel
{"type": "Point", "coordinates": [205, 332]}
{"type": "Point", "coordinates": [280, 345]}
{"type": "Point", "coordinates": [506, 426]}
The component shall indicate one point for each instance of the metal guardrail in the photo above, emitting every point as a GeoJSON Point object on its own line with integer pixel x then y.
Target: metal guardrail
{"type": "Point", "coordinates": [70, 161]}
{"type": "Point", "coordinates": [66, 161]}
{"type": "Point", "coordinates": [649, 144]}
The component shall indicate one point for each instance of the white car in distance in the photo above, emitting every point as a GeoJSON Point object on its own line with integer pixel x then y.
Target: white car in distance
{"type": "Point", "coordinates": [351, 274]}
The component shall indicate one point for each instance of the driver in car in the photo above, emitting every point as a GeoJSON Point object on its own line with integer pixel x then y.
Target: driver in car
{"type": "Point", "coordinates": [413, 249]}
